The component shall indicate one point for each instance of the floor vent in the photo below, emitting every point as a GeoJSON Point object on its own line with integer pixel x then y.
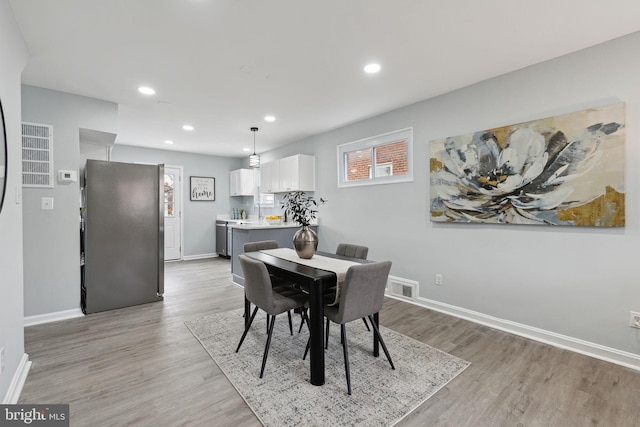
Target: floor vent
{"type": "Point", "coordinates": [37, 155]}
{"type": "Point", "coordinates": [402, 288]}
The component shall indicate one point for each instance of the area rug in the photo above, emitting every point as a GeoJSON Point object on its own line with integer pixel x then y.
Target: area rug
{"type": "Point", "coordinates": [285, 397]}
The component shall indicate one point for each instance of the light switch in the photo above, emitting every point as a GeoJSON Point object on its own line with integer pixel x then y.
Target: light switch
{"type": "Point", "coordinates": [47, 203]}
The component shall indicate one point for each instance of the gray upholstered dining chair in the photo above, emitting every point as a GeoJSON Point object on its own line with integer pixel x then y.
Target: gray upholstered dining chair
{"type": "Point", "coordinates": [261, 245]}
{"type": "Point", "coordinates": [329, 295]}
{"type": "Point", "coordinates": [259, 291]}
{"type": "Point", "coordinates": [362, 295]}
{"type": "Point", "coordinates": [279, 284]}
{"type": "Point", "coordinates": [353, 251]}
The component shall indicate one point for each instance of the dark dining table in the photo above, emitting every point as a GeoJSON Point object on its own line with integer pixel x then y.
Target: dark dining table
{"type": "Point", "coordinates": [314, 281]}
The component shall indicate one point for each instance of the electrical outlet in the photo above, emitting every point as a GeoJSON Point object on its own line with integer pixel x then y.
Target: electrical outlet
{"type": "Point", "coordinates": [439, 281]}
{"type": "Point", "coordinates": [1, 360]}
{"type": "Point", "coordinates": [634, 319]}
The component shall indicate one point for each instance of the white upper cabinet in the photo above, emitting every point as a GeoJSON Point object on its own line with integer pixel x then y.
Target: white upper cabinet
{"type": "Point", "coordinates": [241, 182]}
{"type": "Point", "coordinates": [295, 173]}
{"type": "Point", "coordinates": [269, 177]}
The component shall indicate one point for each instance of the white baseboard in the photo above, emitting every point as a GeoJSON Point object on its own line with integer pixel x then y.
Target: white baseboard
{"type": "Point", "coordinates": [52, 317]}
{"type": "Point", "coordinates": [201, 256]}
{"type": "Point", "coordinates": [608, 354]}
{"type": "Point", "coordinates": [17, 382]}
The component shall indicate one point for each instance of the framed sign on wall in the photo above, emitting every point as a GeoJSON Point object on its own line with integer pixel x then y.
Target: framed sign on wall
{"type": "Point", "coordinates": [202, 188]}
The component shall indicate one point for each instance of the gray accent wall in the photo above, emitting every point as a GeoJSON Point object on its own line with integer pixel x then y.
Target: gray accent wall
{"type": "Point", "coordinates": [51, 237]}
{"type": "Point", "coordinates": [14, 54]}
{"type": "Point", "coordinates": [575, 284]}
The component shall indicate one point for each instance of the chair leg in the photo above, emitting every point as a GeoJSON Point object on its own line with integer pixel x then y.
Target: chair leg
{"type": "Point", "coordinates": [266, 347]}
{"type": "Point", "coordinates": [384, 347]}
{"type": "Point", "coordinates": [326, 336]}
{"type": "Point", "coordinates": [343, 333]}
{"type": "Point", "coordinates": [305, 319]}
{"type": "Point", "coordinates": [366, 324]}
{"type": "Point", "coordinates": [290, 322]}
{"type": "Point", "coordinates": [246, 329]}
{"type": "Point", "coordinates": [306, 350]}
{"type": "Point", "coordinates": [247, 310]}
{"type": "Point", "coordinates": [303, 312]}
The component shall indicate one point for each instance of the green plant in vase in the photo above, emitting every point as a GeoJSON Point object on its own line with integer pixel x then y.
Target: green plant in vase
{"type": "Point", "coordinates": [302, 209]}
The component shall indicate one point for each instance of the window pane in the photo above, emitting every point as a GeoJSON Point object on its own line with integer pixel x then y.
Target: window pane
{"type": "Point", "coordinates": [358, 164]}
{"type": "Point", "coordinates": [380, 159]}
{"type": "Point", "coordinates": [391, 159]}
{"type": "Point", "coordinates": [169, 186]}
{"type": "Point", "coordinates": [266, 200]}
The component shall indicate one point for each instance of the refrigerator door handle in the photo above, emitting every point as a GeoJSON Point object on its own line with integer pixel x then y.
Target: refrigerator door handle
{"type": "Point", "coordinates": [161, 230]}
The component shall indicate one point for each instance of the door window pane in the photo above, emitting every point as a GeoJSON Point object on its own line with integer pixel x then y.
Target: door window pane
{"type": "Point", "coordinates": [169, 187]}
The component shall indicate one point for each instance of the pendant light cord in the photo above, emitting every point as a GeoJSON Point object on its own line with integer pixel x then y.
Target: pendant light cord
{"type": "Point", "coordinates": [254, 159]}
{"type": "Point", "coordinates": [254, 139]}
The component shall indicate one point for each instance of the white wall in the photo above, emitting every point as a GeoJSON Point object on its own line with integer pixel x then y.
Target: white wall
{"type": "Point", "coordinates": [569, 285]}
{"type": "Point", "coordinates": [52, 237]}
{"type": "Point", "coordinates": [14, 57]}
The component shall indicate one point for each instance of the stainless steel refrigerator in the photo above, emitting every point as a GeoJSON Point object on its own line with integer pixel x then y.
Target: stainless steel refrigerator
{"type": "Point", "coordinates": [122, 235]}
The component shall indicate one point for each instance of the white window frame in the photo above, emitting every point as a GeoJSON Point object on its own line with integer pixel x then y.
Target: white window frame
{"type": "Point", "coordinates": [382, 166]}
{"type": "Point", "coordinates": [374, 142]}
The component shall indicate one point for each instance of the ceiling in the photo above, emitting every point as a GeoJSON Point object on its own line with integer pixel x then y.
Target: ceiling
{"type": "Point", "coordinates": [222, 65]}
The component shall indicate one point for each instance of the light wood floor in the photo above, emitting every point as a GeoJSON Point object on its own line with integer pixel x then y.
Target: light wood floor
{"type": "Point", "coordinates": [140, 366]}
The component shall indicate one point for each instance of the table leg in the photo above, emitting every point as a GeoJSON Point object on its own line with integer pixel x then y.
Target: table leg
{"type": "Point", "coordinates": [376, 342]}
{"type": "Point", "coordinates": [316, 331]}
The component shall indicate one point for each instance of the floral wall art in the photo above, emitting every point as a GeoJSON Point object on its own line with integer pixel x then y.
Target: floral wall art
{"type": "Point", "coordinates": [562, 170]}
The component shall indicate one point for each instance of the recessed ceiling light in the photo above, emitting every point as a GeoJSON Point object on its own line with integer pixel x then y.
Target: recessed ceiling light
{"type": "Point", "coordinates": [188, 128]}
{"type": "Point", "coordinates": [269, 119]}
{"type": "Point", "coordinates": [146, 90]}
{"type": "Point", "coordinates": [168, 142]}
{"type": "Point", "coordinates": [372, 68]}
{"type": "Point", "coordinates": [246, 149]}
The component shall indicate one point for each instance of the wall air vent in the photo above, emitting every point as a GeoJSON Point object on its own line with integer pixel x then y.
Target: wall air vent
{"type": "Point", "coordinates": [37, 155]}
{"type": "Point", "coordinates": [402, 288]}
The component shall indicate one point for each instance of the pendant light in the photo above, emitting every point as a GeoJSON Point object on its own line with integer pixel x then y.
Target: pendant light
{"type": "Point", "coordinates": [254, 159]}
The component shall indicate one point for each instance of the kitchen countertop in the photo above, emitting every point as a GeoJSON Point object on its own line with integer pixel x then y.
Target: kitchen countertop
{"type": "Point", "coordinates": [252, 231]}
{"type": "Point", "coordinates": [249, 225]}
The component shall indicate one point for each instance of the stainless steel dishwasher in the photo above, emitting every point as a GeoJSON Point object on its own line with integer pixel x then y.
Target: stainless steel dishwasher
{"type": "Point", "coordinates": [223, 245]}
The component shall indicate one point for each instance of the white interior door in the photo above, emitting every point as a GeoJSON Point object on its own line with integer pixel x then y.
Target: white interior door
{"type": "Point", "coordinates": [172, 213]}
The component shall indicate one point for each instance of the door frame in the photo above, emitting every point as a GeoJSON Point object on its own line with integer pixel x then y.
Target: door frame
{"type": "Point", "coordinates": [181, 209]}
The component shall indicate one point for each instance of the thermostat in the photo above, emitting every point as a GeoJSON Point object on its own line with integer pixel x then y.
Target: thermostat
{"type": "Point", "coordinates": [67, 176]}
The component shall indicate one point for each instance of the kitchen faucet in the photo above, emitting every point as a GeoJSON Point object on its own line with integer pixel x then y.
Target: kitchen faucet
{"type": "Point", "coordinates": [257, 204]}
{"type": "Point", "coordinates": [259, 213]}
